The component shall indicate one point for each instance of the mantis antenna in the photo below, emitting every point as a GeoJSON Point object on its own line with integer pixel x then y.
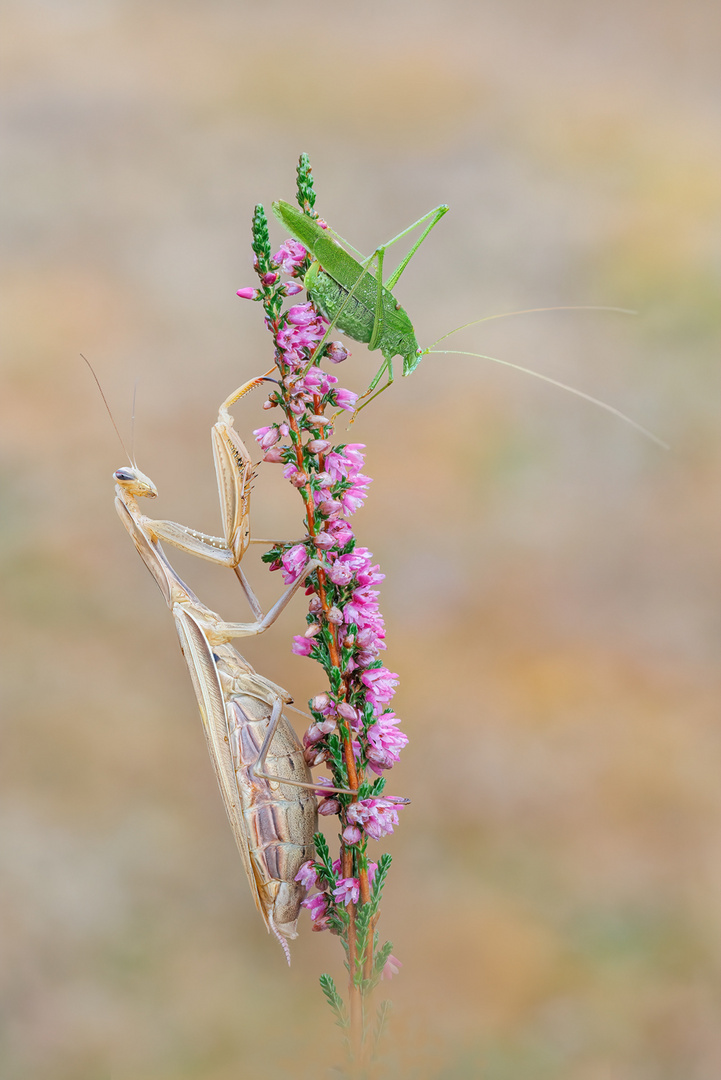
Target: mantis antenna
{"type": "Point", "coordinates": [130, 457]}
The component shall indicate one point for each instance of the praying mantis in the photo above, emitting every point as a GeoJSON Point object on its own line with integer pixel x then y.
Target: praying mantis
{"type": "Point", "coordinates": [272, 813]}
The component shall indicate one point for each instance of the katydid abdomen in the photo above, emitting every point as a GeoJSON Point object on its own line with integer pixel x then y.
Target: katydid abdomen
{"type": "Point", "coordinates": [353, 311]}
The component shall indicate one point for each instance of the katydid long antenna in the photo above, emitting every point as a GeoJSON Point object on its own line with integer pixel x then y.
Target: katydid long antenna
{"type": "Point", "coordinates": [537, 374]}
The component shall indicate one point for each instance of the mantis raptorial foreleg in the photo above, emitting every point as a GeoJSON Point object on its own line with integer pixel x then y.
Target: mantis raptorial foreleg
{"type": "Point", "coordinates": [234, 475]}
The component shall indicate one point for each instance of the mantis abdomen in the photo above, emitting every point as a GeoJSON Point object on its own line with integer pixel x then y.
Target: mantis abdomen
{"type": "Point", "coordinates": [279, 819]}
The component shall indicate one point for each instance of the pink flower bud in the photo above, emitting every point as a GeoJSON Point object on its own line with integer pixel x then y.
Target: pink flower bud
{"type": "Point", "coordinates": [312, 631]}
{"type": "Point", "coordinates": [248, 293]}
{"type": "Point", "coordinates": [336, 352]}
{"type": "Point", "coordinates": [348, 712]}
{"type": "Point", "coordinates": [275, 454]}
{"type": "Point", "coordinates": [348, 641]}
{"type": "Point", "coordinates": [329, 507]}
{"type": "Point", "coordinates": [270, 278]}
{"type": "Point", "coordinates": [299, 479]}
{"type": "Point", "coordinates": [315, 757]}
{"type": "Point", "coordinates": [291, 288]}
{"type": "Point", "coordinates": [320, 701]}
{"type": "Point", "coordinates": [328, 807]}
{"type": "Point", "coordinates": [318, 446]}
{"type": "Point", "coordinates": [319, 421]}
{"type": "Point", "coordinates": [351, 834]}
{"type": "Point", "coordinates": [324, 541]}
{"type": "Point", "coordinates": [269, 404]}
{"type": "Point", "coordinates": [335, 616]}
{"type": "Point", "coordinates": [314, 606]}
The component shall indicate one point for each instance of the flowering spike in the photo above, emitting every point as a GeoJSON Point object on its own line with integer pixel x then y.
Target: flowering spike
{"type": "Point", "coordinates": [354, 731]}
{"type": "Point", "coordinates": [261, 238]}
{"type": "Point", "coordinates": [306, 193]}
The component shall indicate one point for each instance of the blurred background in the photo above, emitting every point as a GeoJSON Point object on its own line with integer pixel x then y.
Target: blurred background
{"type": "Point", "coordinates": [551, 574]}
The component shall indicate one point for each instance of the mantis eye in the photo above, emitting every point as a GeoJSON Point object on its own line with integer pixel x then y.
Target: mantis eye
{"type": "Point", "coordinates": [123, 474]}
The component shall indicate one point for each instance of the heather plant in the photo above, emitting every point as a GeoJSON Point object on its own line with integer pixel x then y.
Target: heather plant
{"type": "Point", "coordinates": [355, 731]}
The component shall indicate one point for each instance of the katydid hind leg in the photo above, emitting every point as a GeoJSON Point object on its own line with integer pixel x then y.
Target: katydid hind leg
{"type": "Point", "coordinates": [378, 316]}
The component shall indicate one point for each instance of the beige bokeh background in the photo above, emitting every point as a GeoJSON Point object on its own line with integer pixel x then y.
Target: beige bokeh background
{"type": "Point", "coordinates": [550, 592]}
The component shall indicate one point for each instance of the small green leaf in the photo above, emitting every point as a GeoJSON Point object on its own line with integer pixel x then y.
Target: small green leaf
{"type": "Point", "coordinates": [334, 999]}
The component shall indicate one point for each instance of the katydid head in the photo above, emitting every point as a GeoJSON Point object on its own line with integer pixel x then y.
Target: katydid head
{"type": "Point", "coordinates": [134, 482]}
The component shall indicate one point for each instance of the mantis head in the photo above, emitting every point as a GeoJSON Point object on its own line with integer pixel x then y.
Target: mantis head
{"type": "Point", "coordinates": [135, 483]}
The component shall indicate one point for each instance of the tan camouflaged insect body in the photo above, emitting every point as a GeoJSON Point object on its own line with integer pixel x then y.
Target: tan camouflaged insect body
{"type": "Point", "coordinates": [273, 822]}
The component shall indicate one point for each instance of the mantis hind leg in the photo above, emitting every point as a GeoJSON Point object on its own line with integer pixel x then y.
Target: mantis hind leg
{"type": "Point", "coordinates": [258, 769]}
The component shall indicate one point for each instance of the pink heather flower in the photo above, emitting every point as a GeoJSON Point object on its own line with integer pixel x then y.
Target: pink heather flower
{"type": "Point", "coordinates": [362, 609]}
{"type": "Point", "coordinates": [360, 562]}
{"type": "Point", "coordinates": [266, 436]}
{"type": "Point", "coordinates": [324, 541]}
{"type": "Point", "coordinates": [274, 455]}
{"type": "Point", "coordinates": [370, 638]}
{"type": "Point", "coordinates": [289, 256]}
{"type": "Point", "coordinates": [248, 293]}
{"type": "Point", "coordinates": [328, 507]}
{"type": "Point", "coordinates": [340, 531]}
{"type": "Point", "coordinates": [372, 867]}
{"type": "Point", "coordinates": [291, 288]}
{"type": "Point", "coordinates": [336, 352]}
{"type": "Point", "coordinates": [316, 380]}
{"type": "Point", "coordinates": [301, 646]}
{"type": "Point", "coordinates": [318, 731]}
{"type": "Point", "coordinates": [380, 685]}
{"type": "Point", "coordinates": [270, 278]}
{"type": "Point", "coordinates": [315, 757]}
{"type": "Point", "coordinates": [317, 906]}
{"type": "Point", "coordinates": [386, 742]}
{"type": "Point", "coordinates": [391, 967]}
{"type": "Point", "coordinates": [328, 807]}
{"type": "Point", "coordinates": [350, 714]}
{"type": "Point", "coordinates": [308, 874]}
{"type": "Point", "coordinates": [376, 816]}
{"type": "Point", "coordinates": [320, 701]}
{"type": "Point", "coordinates": [346, 464]}
{"type": "Point", "coordinates": [347, 891]}
{"type": "Point", "coordinates": [317, 446]}
{"type": "Point", "coordinates": [293, 562]}
{"type": "Point", "coordinates": [344, 399]}
{"type": "Point", "coordinates": [352, 834]}
{"type": "Point", "coordinates": [354, 496]}
{"type": "Point", "coordinates": [340, 573]}
{"type": "Point", "coordinates": [302, 314]}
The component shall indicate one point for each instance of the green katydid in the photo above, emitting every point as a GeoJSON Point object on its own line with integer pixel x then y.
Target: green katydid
{"type": "Point", "coordinates": [359, 304]}
{"type": "Point", "coordinates": [362, 305]}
